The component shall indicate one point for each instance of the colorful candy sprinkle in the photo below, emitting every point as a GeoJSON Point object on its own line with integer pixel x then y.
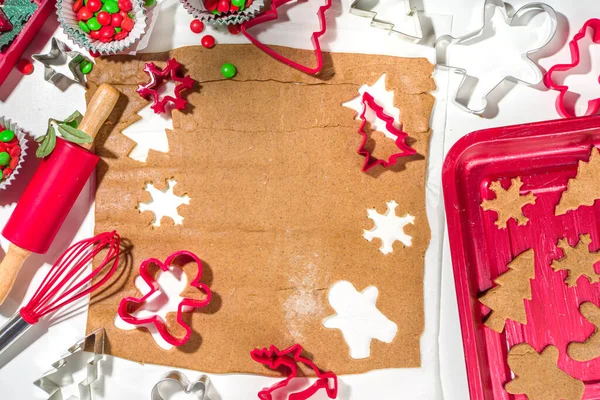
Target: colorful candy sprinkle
{"type": "Point", "coordinates": [86, 67]}
{"type": "Point", "coordinates": [6, 136]}
{"type": "Point", "coordinates": [105, 20]}
{"type": "Point", "coordinates": [4, 158]}
{"type": "Point", "coordinates": [196, 26]}
{"type": "Point", "coordinates": [25, 67]}
{"type": "Point", "coordinates": [228, 70]}
{"type": "Point", "coordinates": [208, 41]}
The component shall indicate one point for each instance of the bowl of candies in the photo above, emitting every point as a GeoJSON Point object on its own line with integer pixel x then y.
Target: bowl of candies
{"type": "Point", "coordinates": [223, 12]}
{"type": "Point", "coordinates": [13, 148]}
{"type": "Point", "coordinates": [102, 26]}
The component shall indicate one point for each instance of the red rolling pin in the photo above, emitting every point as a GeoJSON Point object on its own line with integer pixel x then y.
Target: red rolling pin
{"type": "Point", "coordinates": [52, 192]}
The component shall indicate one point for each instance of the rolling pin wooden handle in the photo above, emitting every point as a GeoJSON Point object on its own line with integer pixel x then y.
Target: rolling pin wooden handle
{"type": "Point", "coordinates": [9, 269]}
{"type": "Point", "coordinates": [98, 110]}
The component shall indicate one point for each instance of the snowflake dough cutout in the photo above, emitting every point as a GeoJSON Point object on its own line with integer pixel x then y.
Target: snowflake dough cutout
{"type": "Point", "coordinates": [164, 203]}
{"type": "Point", "coordinates": [578, 261]}
{"type": "Point", "coordinates": [389, 227]}
{"type": "Point", "coordinates": [358, 318]}
{"type": "Point", "coordinates": [508, 203]}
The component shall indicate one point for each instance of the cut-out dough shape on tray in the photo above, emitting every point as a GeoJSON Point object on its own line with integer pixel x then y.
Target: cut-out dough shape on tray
{"type": "Point", "coordinates": [389, 227]}
{"type": "Point", "coordinates": [590, 349]}
{"type": "Point", "coordinates": [584, 189]}
{"type": "Point", "coordinates": [578, 260]}
{"type": "Point", "coordinates": [164, 203]}
{"type": "Point", "coordinates": [358, 318]}
{"type": "Point", "coordinates": [506, 299]}
{"type": "Point", "coordinates": [538, 376]}
{"type": "Point", "coordinates": [508, 203]}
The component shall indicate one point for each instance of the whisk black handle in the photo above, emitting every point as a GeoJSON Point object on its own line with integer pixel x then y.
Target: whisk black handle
{"type": "Point", "coordinates": [12, 330]}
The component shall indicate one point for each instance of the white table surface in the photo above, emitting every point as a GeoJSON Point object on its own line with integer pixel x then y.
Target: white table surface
{"type": "Point", "coordinates": [30, 101]}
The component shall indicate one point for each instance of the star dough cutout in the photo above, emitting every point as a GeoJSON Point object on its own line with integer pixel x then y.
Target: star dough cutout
{"type": "Point", "coordinates": [577, 260]}
{"type": "Point", "coordinates": [157, 77]}
{"type": "Point", "coordinates": [508, 203]}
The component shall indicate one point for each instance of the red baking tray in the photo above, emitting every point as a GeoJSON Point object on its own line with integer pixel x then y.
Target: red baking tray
{"type": "Point", "coordinates": [545, 155]}
{"type": "Point", "coordinates": [12, 54]}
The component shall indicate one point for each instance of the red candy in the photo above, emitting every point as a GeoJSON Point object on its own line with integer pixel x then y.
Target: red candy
{"type": "Point", "coordinates": [196, 26]}
{"type": "Point", "coordinates": [94, 54]}
{"type": "Point", "coordinates": [15, 151]}
{"type": "Point", "coordinates": [94, 5]}
{"type": "Point", "coordinates": [104, 18]}
{"type": "Point", "coordinates": [116, 20]}
{"type": "Point", "coordinates": [6, 173]}
{"type": "Point", "coordinates": [13, 163]}
{"type": "Point", "coordinates": [125, 5]}
{"type": "Point", "coordinates": [121, 35]}
{"type": "Point", "coordinates": [77, 5]}
{"type": "Point", "coordinates": [127, 24]}
{"type": "Point", "coordinates": [95, 35]}
{"type": "Point", "coordinates": [223, 6]}
{"type": "Point", "coordinates": [107, 32]}
{"type": "Point", "coordinates": [84, 14]}
{"type": "Point", "coordinates": [208, 41]}
{"type": "Point", "coordinates": [234, 29]}
{"type": "Point", "coordinates": [25, 67]}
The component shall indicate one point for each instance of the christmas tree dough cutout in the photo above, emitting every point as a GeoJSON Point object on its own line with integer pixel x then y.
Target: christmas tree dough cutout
{"type": "Point", "coordinates": [508, 203]}
{"type": "Point", "coordinates": [538, 377]}
{"type": "Point", "coordinates": [590, 349]}
{"type": "Point", "coordinates": [583, 190]}
{"type": "Point", "coordinates": [506, 300]}
{"type": "Point", "coordinates": [578, 261]}
{"type": "Point", "coordinates": [164, 203]}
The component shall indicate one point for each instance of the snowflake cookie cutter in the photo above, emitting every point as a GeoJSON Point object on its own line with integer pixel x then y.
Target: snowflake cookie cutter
{"type": "Point", "coordinates": [58, 51]}
{"type": "Point", "coordinates": [442, 43]}
{"type": "Point", "coordinates": [129, 304]}
{"type": "Point", "coordinates": [199, 388]}
{"type": "Point", "coordinates": [273, 358]}
{"type": "Point", "coordinates": [94, 340]}
{"type": "Point", "coordinates": [157, 78]}
{"type": "Point", "coordinates": [388, 26]}
{"type": "Point", "coordinates": [271, 15]}
{"type": "Point", "coordinates": [561, 107]}
{"type": "Point", "coordinates": [368, 101]}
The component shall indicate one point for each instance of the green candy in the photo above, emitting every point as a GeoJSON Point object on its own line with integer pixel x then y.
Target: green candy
{"type": "Point", "coordinates": [111, 6]}
{"type": "Point", "coordinates": [84, 27]}
{"type": "Point", "coordinates": [86, 67]}
{"type": "Point", "coordinates": [118, 29]}
{"type": "Point", "coordinates": [6, 135]}
{"type": "Point", "coordinates": [228, 70]}
{"type": "Point", "coordinates": [216, 12]}
{"type": "Point", "coordinates": [4, 158]}
{"type": "Point", "coordinates": [149, 3]}
{"type": "Point", "coordinates": [238, 3]}
{"type": "Point", "coordinates": [93, 24]}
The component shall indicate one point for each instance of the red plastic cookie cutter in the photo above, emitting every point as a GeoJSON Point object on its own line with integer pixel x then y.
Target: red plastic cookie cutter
{"type": "Point", "coordinates": [271, 15]}
{"type": "Point", "coordinates": [593, 105]}
{"type": "Point", "coordinates": [157, 78]}
{"type": "Point", "coordinates": [274, 358]}
{"type": "Point", "coordinates": [129, 304]}
{"type": "Point", "coordinates": [368, 101]}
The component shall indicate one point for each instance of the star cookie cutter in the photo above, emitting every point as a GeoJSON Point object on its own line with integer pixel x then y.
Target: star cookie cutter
{"type": "Point", "coordinates": [94, 340]}
{"type": "Point", "coordinates": [444, 41]}
{"type": "Point", "coordinates": [273, 358]}
{"type": "Point", "coordinates": [157, 78]}
{"type": "Point", "coordinates": [60, 51]}
{"type": "Point", "coordinates": [271, 15]}
{"type": "Point", "coordinates": [129, 304]}
{"type": "Point", "coordinates": [561, 107]}
{"type": "Point", "coordinates": [388, 26]}
{"type": "Point", "coordinates": [368, 101]}
{"type": "Point", "coordinates": [199, 387]}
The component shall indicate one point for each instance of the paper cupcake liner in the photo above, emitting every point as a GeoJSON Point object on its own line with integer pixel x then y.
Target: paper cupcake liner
{"type": "Point", "coordinates": [197, 9]}
{"type": "Point", "coordinates": [68, 21]}
{"type": "Point", "coordinates": [20, 135]}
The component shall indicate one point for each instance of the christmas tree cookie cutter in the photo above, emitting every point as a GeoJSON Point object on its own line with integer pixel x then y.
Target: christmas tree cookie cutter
{"type": "Point", "coordinates": [128, 305]}
{"type": "Point", "coordinates": [94, 340]}
{"type": "Point", "coordinates": [274, 359]}
{"type": "Point", "coordinates": [376, 22]}
{"type": "Point", "coordinates": [369, 102]}
{"type": "Point", "coordinates": [271, 15]}
{"type": "Point", "coordinates": [60, 51]}
{"type": "Point", "coordinates": [199, 388]}
{"type": "Point", "coordinates": [443, 42]}
{"type": "Point", "coordinates": [157, 78]}
{"type": "Point", "coordinates": [561, 107]}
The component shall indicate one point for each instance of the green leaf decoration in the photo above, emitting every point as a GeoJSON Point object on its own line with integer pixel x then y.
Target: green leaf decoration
{"type": "Point", "coordinates": [18, 13]}
{"type": "Point", "coordinates": [76, 116]}
{"type": "Point", "coordinates": [40, 139]}
{"type": "Point", "coordinates": [73, 134]}
{"type": "Point", "coordinates": [48, 144]}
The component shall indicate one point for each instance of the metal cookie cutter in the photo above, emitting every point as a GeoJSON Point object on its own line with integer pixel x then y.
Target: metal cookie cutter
{"type": "Point", "coordinates": [274, 359]}
{"type": "Point", "coordinates": [355, 8]}
{"type": "Point", "coordinates": [50, 382]}
{"type": "Point", "coordinates": [561, 107]}
{"type": "Point", "coordinates": [445, 41]}
{"type": "Point", "coordinates": [60, 54]}
{"type": "Point", "coordinates": [199, 387]}
{"type": "Point", "coordinates": [128, 305]}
